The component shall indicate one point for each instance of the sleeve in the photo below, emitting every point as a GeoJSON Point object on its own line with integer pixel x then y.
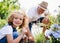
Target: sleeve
{"type": "Point", "coordinates": [7, 30]}
{"type": "Point", "coordinates": [30, 13]}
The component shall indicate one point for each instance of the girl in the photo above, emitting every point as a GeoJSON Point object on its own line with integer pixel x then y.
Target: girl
{"type": "Point", "coordinates": [9, 34]}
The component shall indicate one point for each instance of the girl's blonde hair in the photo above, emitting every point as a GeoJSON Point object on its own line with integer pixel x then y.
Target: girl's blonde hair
{"type": "Point", "coordinates": [25, 19]}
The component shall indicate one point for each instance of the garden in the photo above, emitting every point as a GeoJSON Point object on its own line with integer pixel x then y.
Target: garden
{"type": "Point", "coordinates": [6, 6]}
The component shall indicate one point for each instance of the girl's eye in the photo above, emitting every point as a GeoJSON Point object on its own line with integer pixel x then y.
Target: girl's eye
{"type": "Point", "coordinates": [16, 18]}
{"type": "Point", "coordinates": [21, 19]}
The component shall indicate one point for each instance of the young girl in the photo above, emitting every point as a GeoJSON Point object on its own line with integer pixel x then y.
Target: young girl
{"type": "Point", "coordinates": [9, 34]}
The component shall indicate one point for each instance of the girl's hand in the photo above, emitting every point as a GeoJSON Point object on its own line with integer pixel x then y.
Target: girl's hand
{"type": "Point", "coordinates": [31, 38]}
{"type": "Point", "coordinates": [24, 31]}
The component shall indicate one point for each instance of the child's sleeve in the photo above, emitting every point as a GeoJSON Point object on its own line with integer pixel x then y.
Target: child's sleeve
{"type": "Point", "coordinates": [7, 30]}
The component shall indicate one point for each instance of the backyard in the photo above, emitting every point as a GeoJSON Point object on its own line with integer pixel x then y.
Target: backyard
{"type": "Point", "coordinates": [7, 6]}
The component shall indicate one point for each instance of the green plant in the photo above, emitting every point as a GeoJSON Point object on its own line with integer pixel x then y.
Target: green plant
{"type": "Point", "coordinates": [58, 18]}
{"type": "Point", "coordinates": [40, 38]}
{"type": "Point", "coordinates": [6, 6]}
{"type": "Point", "coordinates": [2, 23]}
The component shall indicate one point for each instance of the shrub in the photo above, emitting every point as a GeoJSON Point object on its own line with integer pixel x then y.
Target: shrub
{"type": "Point", "coordinates": [2, 22]}
{"type": "Point", "coordinates": [40, 38]}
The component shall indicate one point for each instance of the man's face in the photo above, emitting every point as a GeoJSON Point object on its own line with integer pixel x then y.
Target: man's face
{"type": "Point", "coordinates": [40, 10]}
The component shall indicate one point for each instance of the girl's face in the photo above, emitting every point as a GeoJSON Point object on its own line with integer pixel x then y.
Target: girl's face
{"type": "Point", "coordinates": [18, 19]}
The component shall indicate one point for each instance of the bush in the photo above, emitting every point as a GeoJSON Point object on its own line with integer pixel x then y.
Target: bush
{"type": "Point", "coordinates": [6, 6]}
{"type": "Point", "coordinates": [40, 38]}
{"type": "Point", "coordinates": [2, 22]}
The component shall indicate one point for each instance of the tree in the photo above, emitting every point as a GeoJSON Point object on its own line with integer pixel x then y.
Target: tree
{"type": "Point", "coordinates": [6, 6]}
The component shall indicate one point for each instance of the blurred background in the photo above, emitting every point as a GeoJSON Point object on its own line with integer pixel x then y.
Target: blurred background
{"type": "Point", "coordinates": [6, 6]}
{"type": "Point", "coordinates": [53, 5]}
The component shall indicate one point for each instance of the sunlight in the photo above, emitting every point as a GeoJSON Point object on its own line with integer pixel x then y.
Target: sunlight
{"type": "Point", "coordinates": [53, 4]}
